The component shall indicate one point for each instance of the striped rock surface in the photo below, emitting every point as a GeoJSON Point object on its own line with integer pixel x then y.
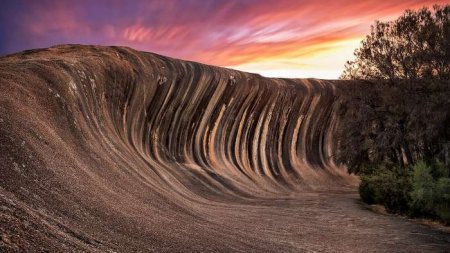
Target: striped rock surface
{"type": "Point", "coordinates": [113, 150]}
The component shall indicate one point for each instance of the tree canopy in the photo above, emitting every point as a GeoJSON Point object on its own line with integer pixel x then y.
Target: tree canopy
{"type": "Point", "coordinates": [400, 112]}
{"type": "Point", "coordinates": [415, 46]}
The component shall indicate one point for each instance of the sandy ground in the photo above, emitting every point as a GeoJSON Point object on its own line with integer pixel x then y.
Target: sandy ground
{"type": "Point", "coordinates": [310, 222]}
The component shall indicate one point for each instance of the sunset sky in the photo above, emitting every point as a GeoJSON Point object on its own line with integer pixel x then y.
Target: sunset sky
{"type": "Point", "coordinates": [290, 38]}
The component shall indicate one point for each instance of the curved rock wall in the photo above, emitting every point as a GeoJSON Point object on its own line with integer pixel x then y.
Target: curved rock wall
{"type": "Point", "coordinates": [89, 134]}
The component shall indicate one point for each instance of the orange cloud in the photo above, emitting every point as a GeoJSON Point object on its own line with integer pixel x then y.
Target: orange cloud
{"type": "Point", "coordinates": [273, 37]}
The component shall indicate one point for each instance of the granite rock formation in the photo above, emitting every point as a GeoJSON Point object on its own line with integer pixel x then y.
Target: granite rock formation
{"type": "Point", "coordinates": [113, 150]}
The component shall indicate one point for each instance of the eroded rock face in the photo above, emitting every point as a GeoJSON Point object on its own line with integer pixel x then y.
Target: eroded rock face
{"type": "Point", "coordinates": [107, 148]}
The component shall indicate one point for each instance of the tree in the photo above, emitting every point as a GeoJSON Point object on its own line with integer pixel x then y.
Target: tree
{"type": "Point", "coordinates": [399, 111]}
{"type": "Point", "coordinates": [415, 46]}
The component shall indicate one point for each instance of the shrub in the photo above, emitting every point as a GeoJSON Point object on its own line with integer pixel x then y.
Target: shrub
{"type": "Point", "coordinates": [442, 199]}
{"type": "Point", "coordinates": [422, 193]}
{"type": "Point", "coordinates": [439, 170]}
{"type": "Point", "coordinates": [387, 187]}
{"type": "Point", "coordinates": [425, 192]}
{"type": "Point", "coordinates": [395, 192]}
{"type": "Point", "coordinates": [368, 190]}
{"type": "Point", "coordinates": [431, 191]}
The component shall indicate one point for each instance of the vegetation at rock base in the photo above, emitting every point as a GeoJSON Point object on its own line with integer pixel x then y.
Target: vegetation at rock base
{"type": "Point", "coordinates": [395, 128]}
{"type": "Point", "coordinates": [424, 192]}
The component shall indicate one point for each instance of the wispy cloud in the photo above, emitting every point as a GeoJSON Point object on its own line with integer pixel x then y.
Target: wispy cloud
{"type": "Point", "coordinates": [274, 37]}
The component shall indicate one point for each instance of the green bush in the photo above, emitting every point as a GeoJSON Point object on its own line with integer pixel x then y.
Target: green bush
{"type": "Point", "coordinates": [431, 191]}
{"type": "Point", "coordinates": [423, 187]}
{"type": "Point", "coordinates": [386, 187]}
{"type": "Point", "coordinates": [439, 170]}
{"type": "Point", "coordinates": [425, 192]}
{"type": "Point", "coordinates": [442, 199]}
{"type": "Point", "coordinates": [395, 192]}
{"type": "Point", "coordinates": [368, 190]}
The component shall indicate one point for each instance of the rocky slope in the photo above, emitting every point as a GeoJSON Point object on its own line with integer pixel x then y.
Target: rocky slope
{"type": "Point", "coordinates": [114, 150]}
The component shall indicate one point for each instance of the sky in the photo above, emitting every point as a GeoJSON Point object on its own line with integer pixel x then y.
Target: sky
{"type": "Point", "coordinates": [275, 38]}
